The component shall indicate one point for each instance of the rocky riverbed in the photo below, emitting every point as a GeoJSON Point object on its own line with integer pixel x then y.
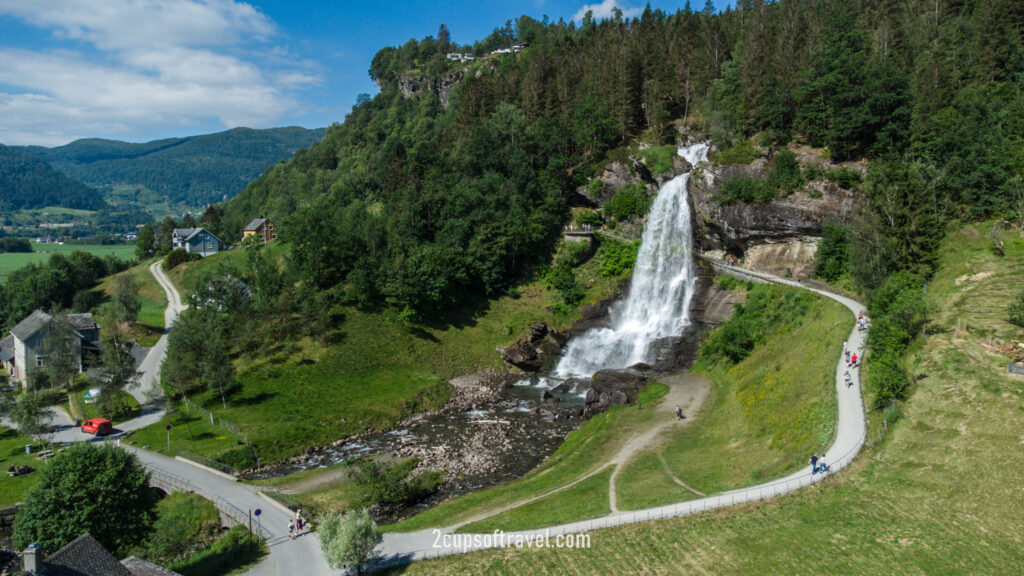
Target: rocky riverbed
{"type": "Point", "coordinates": [490, 431]}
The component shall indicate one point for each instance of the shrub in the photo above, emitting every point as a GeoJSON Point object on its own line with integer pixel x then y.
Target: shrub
{"type": "Point", "coordinates": [591, 217]}
{"type": "Point", "coordinates": [833, 252]}
{"type": "Point", "coordinates": [785, 176]}
{"type": "Point", "coordinates": [184, 522]}
{"type": "Point", "coordinates": [561, 278]}
{"type": "Point", "coordinates": [630, 201]}
{"type": "Point", "coordinates": [231, 551]}
{"type": "Point", "coordinates": [813, 172]}
{"type": "Point", "coordinates": [844, 177]}
{"type": "Point", "coordinates": [1017, 311]}
{"type": "Point", "coordinates": [384, 483]}
{"type": "Point", "coordinates": [767, 309]}
{"type": "Point", "coordinates": [178, 256]}
{"type": "Point", "coordinates": [618, 257]}
{"type": "Point", "coordinates": [572, 254]}
{"type": "Point", "coordinates": [887, 379]}
{"type": "Point", "coordinates": [659, 160]}
{"type": "Point", "coordinates": [747, 190]}
{"type": "Point", "coordinates": [742, 152]}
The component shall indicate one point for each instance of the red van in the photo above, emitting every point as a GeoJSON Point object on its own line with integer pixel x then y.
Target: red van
{"type": "Point", "coordinates": [98, 426]}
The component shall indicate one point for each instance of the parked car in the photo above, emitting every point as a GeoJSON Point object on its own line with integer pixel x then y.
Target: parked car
{"type": "Point", "coordinates": [97, 426]}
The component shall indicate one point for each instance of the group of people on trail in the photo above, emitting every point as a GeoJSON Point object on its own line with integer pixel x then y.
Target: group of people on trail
{"type": "Point", "coordinates": [818, 463]}
{"type": "Point", "coordinates": [730, 260]}
{"type": "Point", "coordinates": [296, 525]}
{"type": "Point", "coordinates": [862, 321]}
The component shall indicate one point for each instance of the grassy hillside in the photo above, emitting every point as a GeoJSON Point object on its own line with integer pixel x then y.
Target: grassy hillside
{"type": "Point", "coordinates": [938, 494]}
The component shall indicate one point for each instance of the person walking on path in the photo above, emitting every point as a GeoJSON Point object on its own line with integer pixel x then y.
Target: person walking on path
{"type": "Point", "coordinates": [849, 380]}
{"type": "Point", "coordinates": [814, 463]}
{"type": "Point", "coordinates": [291, 529]}
{"type": "Point", "coordinates": [845, 349]}
{"type": "Point", "coordinates": [679, 412]}
{"type": "Point", "coordinates": [853, 361]}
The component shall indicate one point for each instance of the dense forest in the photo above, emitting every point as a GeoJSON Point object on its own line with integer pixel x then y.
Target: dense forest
{"type": "Point", "coordinates": [27, 182]}
{"type": "Point", "coordinates": [417, 204]}
{"type": "Point", "coordinates": [193, 171]}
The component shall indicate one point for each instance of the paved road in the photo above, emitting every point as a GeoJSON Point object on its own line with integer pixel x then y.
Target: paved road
{"type": "Point", "coordinates": [850, 435]}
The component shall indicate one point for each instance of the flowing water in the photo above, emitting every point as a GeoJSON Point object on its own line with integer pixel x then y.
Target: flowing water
{"type": "Point", "coordinates": [659, 296]}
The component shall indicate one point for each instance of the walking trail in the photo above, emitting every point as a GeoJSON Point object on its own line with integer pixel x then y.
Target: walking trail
{"type": "Point", "coordinates": [850, 435]}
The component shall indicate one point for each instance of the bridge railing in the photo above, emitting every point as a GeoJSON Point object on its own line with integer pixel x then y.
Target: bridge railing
{"type": "Point", "coordinates": [175, 482]}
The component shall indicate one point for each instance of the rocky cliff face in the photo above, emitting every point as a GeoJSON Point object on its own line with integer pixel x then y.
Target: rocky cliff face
{"type": "Point", "coordinates": [417, 86]}
{"type": "Point", "coordinates": [779, 237]}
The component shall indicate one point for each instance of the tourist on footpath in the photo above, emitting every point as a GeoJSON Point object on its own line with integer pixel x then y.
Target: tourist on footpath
{"type": "Point", "coordinates": [849, 380]}
{"type": "Point", "coordinates": [291, 529]}
{"type": "Point", "coordinates": [814, 463]}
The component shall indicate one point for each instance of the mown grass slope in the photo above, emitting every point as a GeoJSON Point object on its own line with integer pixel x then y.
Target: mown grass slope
{"type": "Point", "coordinates": [939, 492]}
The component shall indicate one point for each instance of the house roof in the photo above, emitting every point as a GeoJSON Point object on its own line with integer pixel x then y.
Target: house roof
{"type": "Point", "coordinates": [198, 231]}
{"type": "Point", "coordinates": [83, 322]}
{"type": "Point", "coordinates": [7, 348]}
{"type": "Point", "coordinates": [139, 567]}
{"type": "Point", "coordinates": [183, 232]}
{"type": "Point", "coordinates": [255, 225]}
{"type": "Point", "coordinates": [84, 556]}
{"type": "Point", "coordinates": [30, 325]}
{"type": "Point", "coordinates": [35, 321]}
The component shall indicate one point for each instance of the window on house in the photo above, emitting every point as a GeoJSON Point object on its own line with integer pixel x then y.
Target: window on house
{"type": "Point", "coordinates": [40, 360]}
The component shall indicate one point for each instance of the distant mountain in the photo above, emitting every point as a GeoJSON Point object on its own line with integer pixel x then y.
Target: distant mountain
{"type": "Point", "coordinates": [194, 171]}
{"type": "Point", "coordinates": [28, 182]}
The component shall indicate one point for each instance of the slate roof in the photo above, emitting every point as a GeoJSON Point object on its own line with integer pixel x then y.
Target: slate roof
{"type": "Point", "coordinates": [82, 322]}
{"type": "Point", "coordinates": [255, 225]}
{"type": "Point", "coordinates": [84, 556]}
{"type": "Point", "coordinates": [30, 325]}
{"type": "Point", "coordinates": [196, 231]}
{"type": "Point", "coordinates": [7, 348]}
{"type": "Point", "coordinates": [139, 567]}
{"type": "Point", "coordinates": [183, 233]}
{"type": "Point", "coordinates": [36, 320]}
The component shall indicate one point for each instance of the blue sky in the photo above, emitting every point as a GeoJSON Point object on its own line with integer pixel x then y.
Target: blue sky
{"type": "Point", "coordinates": [139, 70]}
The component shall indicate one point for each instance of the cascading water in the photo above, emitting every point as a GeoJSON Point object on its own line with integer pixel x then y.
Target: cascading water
{"type": "Point", "coordinates": [659, 297]}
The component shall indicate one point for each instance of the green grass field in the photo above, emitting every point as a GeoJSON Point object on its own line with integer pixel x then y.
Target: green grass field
{"type": "Point", "coordinates": [768, 413]}
{"type": "Point", "coordinates": [12, 452]}
{"type": "Point", "coordinates": [9, 262]}
{"type": "Point", "coordinates": [939, 493]}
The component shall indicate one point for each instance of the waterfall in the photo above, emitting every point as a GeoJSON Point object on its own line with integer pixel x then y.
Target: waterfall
{"type": "Point", "coordinates": [659, 297]}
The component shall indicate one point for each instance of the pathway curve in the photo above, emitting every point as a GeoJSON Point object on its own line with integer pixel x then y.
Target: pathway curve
{"type": "Point", "coordinates": [850, 435]}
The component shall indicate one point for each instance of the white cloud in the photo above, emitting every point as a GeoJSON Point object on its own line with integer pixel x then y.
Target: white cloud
{"type": "Point", "coordinates": [148, 64]}
{"type": "Point", "coordinates": [604, 10]}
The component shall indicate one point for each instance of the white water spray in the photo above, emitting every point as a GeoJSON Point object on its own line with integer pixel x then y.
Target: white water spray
{"type": "Point", "coordinates": [659, 298]}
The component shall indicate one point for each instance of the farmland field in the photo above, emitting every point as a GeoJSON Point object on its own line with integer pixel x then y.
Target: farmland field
{"type": "Point", "coordinates": [9, 262]}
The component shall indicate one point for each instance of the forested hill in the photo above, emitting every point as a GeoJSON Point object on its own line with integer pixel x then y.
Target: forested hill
{"type": "Point", "coordinates": [193, 171]}
{"type": "Point", "coordinates": [418, 204]}
{"type": "Point", "coordinates": [27, 182]}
